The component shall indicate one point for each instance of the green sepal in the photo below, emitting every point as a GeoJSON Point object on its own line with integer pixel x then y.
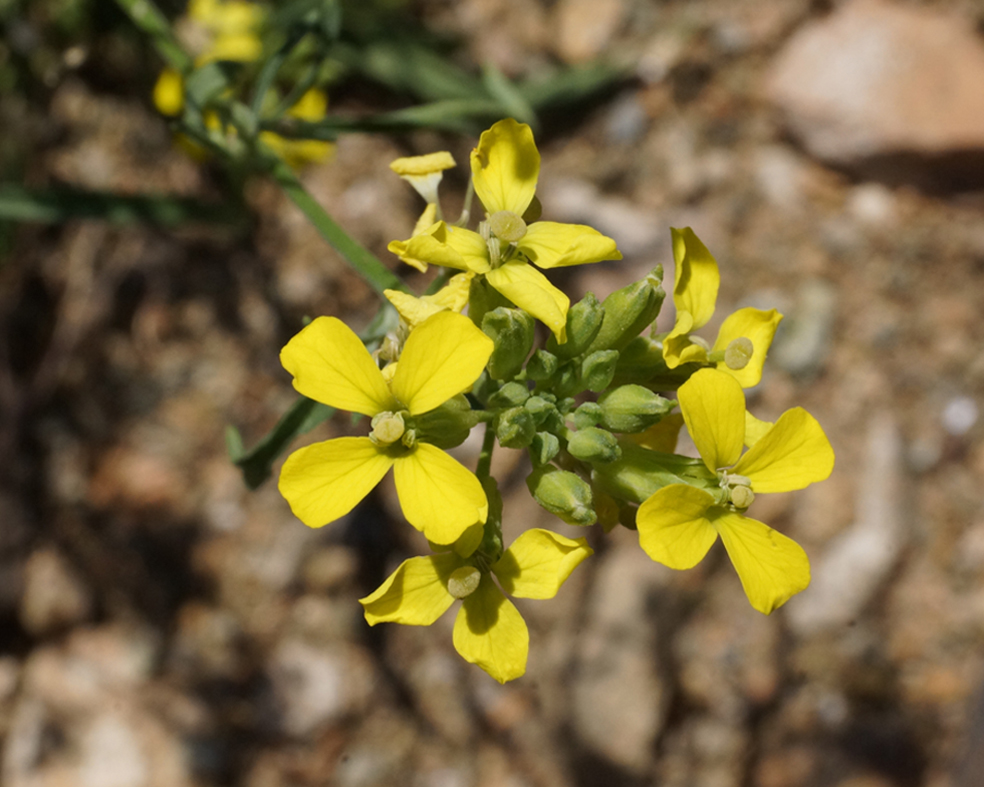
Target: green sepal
{"type": "Point", "coordinates": [542, 366]}
{"type": "Point", "coordinates": [545, 447]}
{"type": "Point", "coordinates": [629, 310]}
{"type": "Point", "coordinates": [563, 494]}
{"type": "Point", "coordinates": [639, 472]}
{"type": "Point", "coordinates": [566, 380]}
{"type": "Point", "coordinates": [584, 320]}
{"type": "Point", "coordinates": [594, 445]}
{"type": "Point", "coordinates": [597, 370]}
{"type": "Point", "coordinates": [515, 427]}
{"type": "Point", "coordinates": [447, 426]}
{"type": "Point", "coordinates": [588, 414]}
{"type": "Point", "coordinates": [539, 408]}
{"type": "Point", "coordinates": [512, 332]}
{"type": "Point", "coordinates": [641, 361]}
{"type": "Point", "coordinates": [632, 408]}
{"type": "Point", "coordinates": [491, 546]}
{"type": "Point", "coordinates": [510, 395]}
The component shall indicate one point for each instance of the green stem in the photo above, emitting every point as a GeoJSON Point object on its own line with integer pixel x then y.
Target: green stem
{"type": "Point", "coordinates": [148, 18]}
{"type": "Point", "coordinates": [300, 88]}
{"type": "Point", "coordinates": [363, 261]}
{"type": "Point", "coordinates": [466, 205]}
{"type": "Point", "coordinates": [272, 66]}
{"type": "Point", "coordinates": [484, 468]}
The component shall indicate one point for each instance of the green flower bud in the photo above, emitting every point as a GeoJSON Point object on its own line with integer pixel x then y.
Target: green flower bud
{"type": "Point", "coordinates": [510, 395]}
{"type": "Point", "coordinates": [566, 380]}
{"type": "Point", "coordinates": [632, 408]}
{"type": "Point", "coordinates": [464, 581]}
{"type": "Point", "coordinates": [594, 445]}
{"type": "Point", "coordinates": [565, 405]}
{"type": "Point", "coordinates": [545, 446]}
{"type": "Point", "coordinates": [483, 298]}
{"type": "Point", "coordinates": [639, 472]}
{"type": "Point", "coordinates": [639, 361]}
{"type": "Point", "coordinates": [491, 546]}
{"type": "Point", "coordinates": [512, 332]}
{"type": "Point", "coordinates": [542, 366]}
{"type": "Point", "coordinates": [629, 310]}
{"type": "Point", "coordinates": [448, 425]}
{"type": "Point", "coordinates": [515, 427]}
{"type": "Point", "coordinates": [539, 408]}
{"type": "Point", "coordinates": [598, 369]}
{"type": "Point", "coordinates": [588, 414]}
{"type": "Point", "coordinates": [584, 320]}
{"type": "Point", "coordinates": [562, 493]}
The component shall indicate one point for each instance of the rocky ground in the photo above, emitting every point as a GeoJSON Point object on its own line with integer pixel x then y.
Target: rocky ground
{"type": "Point", "coordinates": [163, 626]}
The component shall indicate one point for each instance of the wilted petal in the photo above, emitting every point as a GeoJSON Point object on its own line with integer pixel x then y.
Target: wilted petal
{"type": "Point", "coordinates": [505, 167]}
{"type": "Point", "coordinates": [793, 454]}
{"type": "Point", "coordinates": [330, 364]}
{"type": "Point", "coordinates": [324, 481]}
{"type": "Point", "coordinates": [772, 567]}
{"type": "Point", "coordinates": [539, 562]}
{"type": "Point", "coordinates": [673, 526]}
{"type": "Point", "coordinates": [713, 406]}
{"type": "Point", "coordinates": [530, 290]}
{"type": "Point", "coordinates": [490, 632]}
{"type": "Point", "coordinates": [439, 496]}
{"type": "Point", "coordinates": [416, 594]}
{"type": "Point", "coordinates": [443, 356]}
{"type": "Point", "coordinates": [549, 244]}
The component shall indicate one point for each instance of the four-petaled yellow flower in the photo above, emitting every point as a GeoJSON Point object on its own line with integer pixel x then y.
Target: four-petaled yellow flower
{"type": "Point", "coordinates": [505, 168]}
{"type": "Point", "coordinates": [442, 357]}
{"type": "Point", "coordinates": [488, 631]}
{"type": "Point", "coordinates": [745, 336]}
{"type": "Point", "coordinates": [679, 523]}
{"type": "Point", "coordinates": [453, 296]}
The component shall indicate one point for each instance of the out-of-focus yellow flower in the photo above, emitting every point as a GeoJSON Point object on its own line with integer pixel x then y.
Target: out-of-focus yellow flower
{"type": "Point", "coordinates": [232, 28]}
{"type": "Point", "coordinates": [488, 631]}
{"type": "Point", "coordinates": [745, 336]}
{"type": "Point", "coordinates": [505, 169]}
{"type": "Point", "coordinates": [311, 107]}
{"type": "Point", "coordinates": [679, 523]}
{"type": "Point", "coordinates": [442, 357]}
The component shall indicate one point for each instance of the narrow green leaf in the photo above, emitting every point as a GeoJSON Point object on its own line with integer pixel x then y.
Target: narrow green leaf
{"type": "Point", "coordinates": [148, 18]}
{"type": "Point", "coordinates": [513, 102]}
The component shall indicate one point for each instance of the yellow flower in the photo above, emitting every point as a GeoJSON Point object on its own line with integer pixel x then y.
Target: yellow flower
{"type": "Point", "coordinates": [424, 173]}
{"type": "Point", "coordinates": [745, 336]}
{"type": "Point", "coordinates": [679, 523]}
{"type": "Point", "coordinates": [231, 27]}
{"type": "Point", "coordinates": [453, 296]}
{"type": "Point", "coordinates": [442, 357]}
{"type": "Point", "coordinates": [505, 168]}
{"type": "Point", "coordinates": [488, 631]}
{"type": "Point", "coordinates": [298, 152]}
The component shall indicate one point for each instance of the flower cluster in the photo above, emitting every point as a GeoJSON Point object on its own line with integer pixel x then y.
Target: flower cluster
{"type": "Point", "coordinates": [598, 407]}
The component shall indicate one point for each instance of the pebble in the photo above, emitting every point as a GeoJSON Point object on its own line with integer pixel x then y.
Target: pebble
{"type": "Point", "coordinates": [803, 340]}
{"type": "Point", "coordinates": [584, 28]}
{"type": "Point", "coordinates": [959, 415]}
{"type": "Point", "coordinates": [55, 595]}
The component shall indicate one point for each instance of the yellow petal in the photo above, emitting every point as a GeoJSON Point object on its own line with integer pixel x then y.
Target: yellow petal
{"type": "Point", "coordinates": [673, 526]}
{"type": "Point", "coordinates": [324, 481]}
{"type": "Point", "coordinates": [755, 429]}
{"type": "Point", "coordinates": [428, 247]}
{"type": "Point", "coordinates": [660, 437]}
{"type": "Point", "coordinates": [472, 248]}
{"type": "Point", "coordinates": [713, 406]}
{"type": "Point", "coordinates": [772, 567]}
{"type": "Point", "coordinates": [505, 167]}
{"type": "Point", "coordinates": [549, 244]}
{"type": "Point", "coordinates": [330, 364]}
{"type": "Point", "coordinates": [439, 496]}
{"type": "Point", "coordinates": [237, 47]}
{"type": "Point", "coordinates": [791, 455]}
{"type": "Point", "coordinates": [311, 106]}
{"type": "Point", "coordinates": [169, 93]}
{"type": "Point", "coordinates": [428, 218]}
{"type": "Point", "coordinates": [539, 562]}
{"type": "Point", "coordinates": [423, 165]}
{"type": "Point", "coordinates": [758, 327]}
{"type": "Point", "coordinates": [490, 632]}
{"type": "Point", "coordinates": [453, 295]}
{"type": "Point", "coordinates": [443, 356]}
{"type": "Point", "coordinates": [696, 278]}
{"type": "Point", "coordinates": [416, 594]}
{"type": "Point", "coordinates": [678, 348]}
{"type": "Point", "coordinates": [413, 310]}
{"type": "Point", "coordinates": [530, 290]}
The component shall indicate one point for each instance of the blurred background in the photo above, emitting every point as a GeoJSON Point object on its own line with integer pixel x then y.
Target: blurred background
{"type": "Point", "coordinates": [162, 625]}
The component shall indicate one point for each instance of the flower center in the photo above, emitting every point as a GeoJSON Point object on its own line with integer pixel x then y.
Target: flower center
{"type": "Point", "coordinates": [464, 581]}
{"type": "Point", "coordinates": [738, 489]}
{"type": "Point", "coordinates": [739, 353]}
{"type": "Point", "coordinates": [387, 428]}
{"type": "Point", "coordinates": [507, 226]}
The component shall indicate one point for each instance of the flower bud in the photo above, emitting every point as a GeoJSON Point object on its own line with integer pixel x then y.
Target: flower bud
{"type": "Point", "coordinates": [512, 332]}
{"type": "Point", "coordinates": [446, 426]}
{"type": "Point", "coordinates": [584, 320]}
{"type": "Point", "coordinates": [515, 427]}
{"type": "Point", "coordinates": [562, 493]}
{"type": "Point", "coordinates": [588, 414]}
{"type": "Point", "coordinates": [594, 445]}
{"type": "Point", "coordinates": [632, 408]}
{"type": "Point", "coordinates": [628, 311]}
{"type": "Point", "coordinates": [639, 472]}
{"type": "Point", "coordinates": [542, 366]}
{"type": "Point", "coordinates": [539, 408]}
{"type": "Point", "coordinates": [598, 369]}
{"type": "Point", "coordinates": [464, 581]}
{"type": "Point", "coordinates": [510, 395]}
{"type": "Point", "coordinates": [545, 446]}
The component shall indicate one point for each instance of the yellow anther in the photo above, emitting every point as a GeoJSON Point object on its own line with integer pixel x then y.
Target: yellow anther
{"type": "Point", "coordinates": [742, 497]}
{"type": "Point", "coordinates": [739, 353]}
{"type": "Point", "coordinates": [387, 428]}
{"type": "Point", "coordinates": [507, 226]}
